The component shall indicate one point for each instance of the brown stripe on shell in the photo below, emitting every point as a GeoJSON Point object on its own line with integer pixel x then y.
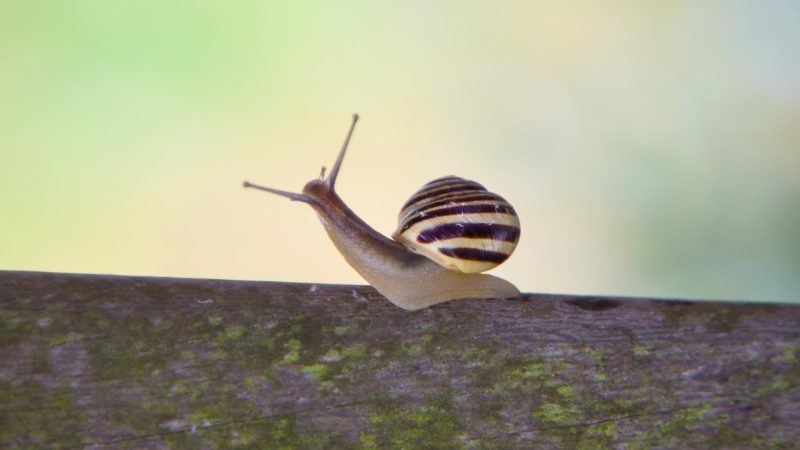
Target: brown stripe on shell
{"type": "Point", "coordinates": [474, 254]}
{"type": "Point", "coordinates": [457, 186]}
{"type": "Point", "coordinates": [453, 199]}
{"type": "Point", "coordinates": [494, 231]}
{"type": "Point", "coordinates": [458, 210]}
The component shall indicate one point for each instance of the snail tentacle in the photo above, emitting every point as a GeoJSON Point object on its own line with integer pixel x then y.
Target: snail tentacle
{"type": "Point", "coordinates": [294, 196]}
{"type": "Point", "coordinates": [338, 164]}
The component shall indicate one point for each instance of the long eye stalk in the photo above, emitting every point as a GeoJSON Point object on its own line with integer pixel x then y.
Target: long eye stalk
{"type": "Point", "coordinates": [294, 196]}
{"type": "Point", "coordinates": [338, 164]}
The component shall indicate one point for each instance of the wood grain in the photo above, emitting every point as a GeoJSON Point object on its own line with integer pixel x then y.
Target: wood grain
{"type": "Point", "coordinates": [135, 362]}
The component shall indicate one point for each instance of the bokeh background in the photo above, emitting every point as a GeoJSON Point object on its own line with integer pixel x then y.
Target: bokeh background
{"type": "Point", "coordinates": [650, 148]}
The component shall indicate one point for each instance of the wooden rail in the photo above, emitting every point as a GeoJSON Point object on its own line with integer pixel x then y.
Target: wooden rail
{"type": "Point", "coordinates": [136, 362]}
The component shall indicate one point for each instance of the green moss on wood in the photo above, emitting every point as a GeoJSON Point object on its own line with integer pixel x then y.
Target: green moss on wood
{"type": "Point", "coordinates": [258, 369]}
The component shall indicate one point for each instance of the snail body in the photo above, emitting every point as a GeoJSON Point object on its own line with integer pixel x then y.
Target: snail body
{"type": "Point", "coordinates": [408, 276]}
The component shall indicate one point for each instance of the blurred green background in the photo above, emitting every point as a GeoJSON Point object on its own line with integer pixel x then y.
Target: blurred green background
{"type": "Point", "coordinates": [650, 148]}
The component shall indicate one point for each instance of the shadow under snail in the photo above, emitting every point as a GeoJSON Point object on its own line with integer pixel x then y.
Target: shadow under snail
{"type": "Point", "coordinates": [448, 231]}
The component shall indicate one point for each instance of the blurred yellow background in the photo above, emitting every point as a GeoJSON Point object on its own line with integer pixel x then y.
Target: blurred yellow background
{"type": "Point", "coordinates": [650, 148]}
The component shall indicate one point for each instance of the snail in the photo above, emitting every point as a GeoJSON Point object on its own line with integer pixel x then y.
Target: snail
{"type": "Point", "coordinates": [448, 231]}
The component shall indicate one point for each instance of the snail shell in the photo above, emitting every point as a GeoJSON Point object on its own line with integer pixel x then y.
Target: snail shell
{"type": "Point", "coordinates": [459, 225]}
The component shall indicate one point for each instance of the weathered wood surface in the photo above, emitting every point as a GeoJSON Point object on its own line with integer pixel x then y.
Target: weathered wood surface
{"type": "Point", "coordinates": [135, 362]}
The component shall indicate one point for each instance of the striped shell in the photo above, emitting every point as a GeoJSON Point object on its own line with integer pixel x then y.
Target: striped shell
{"type": "Point", "coordinates": [459, 225]}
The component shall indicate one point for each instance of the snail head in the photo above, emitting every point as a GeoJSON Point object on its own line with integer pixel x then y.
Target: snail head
{"type": "Point", "coordinates": [319, 188]}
